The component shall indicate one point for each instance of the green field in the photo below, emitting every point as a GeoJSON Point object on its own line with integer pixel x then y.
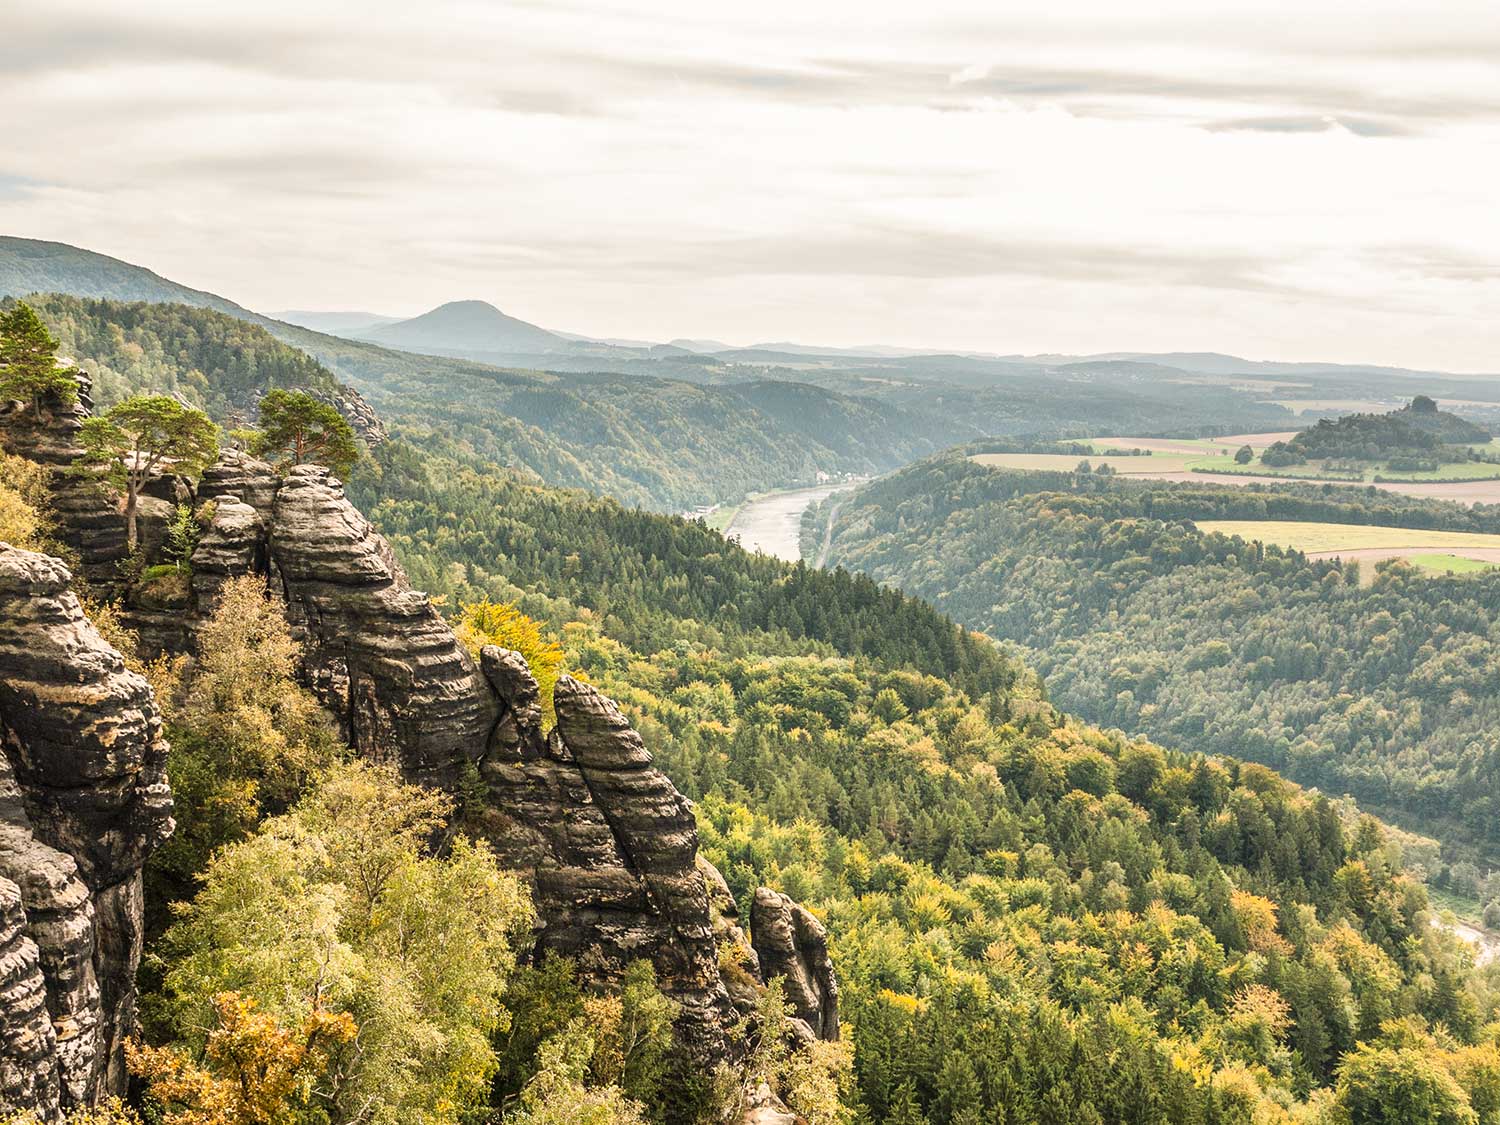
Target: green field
{"type": "Point", "coordinates": [1215, 456]}
{"type": "Point", "coordinates": [1449, 564]}
{"type": "Point", "coordinates": [1438, 552]}
{"type": "Point", "coordinates": [1067, 462]}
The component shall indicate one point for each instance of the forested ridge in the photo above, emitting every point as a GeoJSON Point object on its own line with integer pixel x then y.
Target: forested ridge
{"type": "Point", "coordinates": [1033, 920]}
{"type": "Point", "coordinates": [1138, 620]}
{"type": "Point", "coordinates": [1417, 430]}
{"type": "Point", "coordinates": [467, 532]}
{"type": "Point", "coordinates": [652, 442]}
{"type": "Point", "coordinates": [213, 361]}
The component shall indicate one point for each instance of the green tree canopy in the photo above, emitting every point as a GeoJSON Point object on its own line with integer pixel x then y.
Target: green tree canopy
{"type": "Point", "coordinates": [28, 369]}
{"type": "Point", "coordinates": [295, 427]}
{"type": "Point", "coordinates": [143, 435]}
{"type": "Point", "coordinates": [338, 907]}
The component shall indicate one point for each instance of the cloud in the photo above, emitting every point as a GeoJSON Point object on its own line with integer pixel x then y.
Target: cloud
{"type": "Point", "coordinates": [16, 187]}
{"type": "Point", "coordinates": [835, 170]}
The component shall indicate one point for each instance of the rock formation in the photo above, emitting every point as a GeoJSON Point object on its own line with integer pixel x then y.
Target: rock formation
{"type": "Point", "coordinates": [790, 943]}
{"type": "Point", "coordinates": [83, 802]}
{"type": "Point", "coordinates": [375, 651]}
{"type": "Point", "coordinates": [609, 844]}
{"type": "Point", "coordinates": [83, 510]}
{"type": "Point", "coordinates": [360, 415]}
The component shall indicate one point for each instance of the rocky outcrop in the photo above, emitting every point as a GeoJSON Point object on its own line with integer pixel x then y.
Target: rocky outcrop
{"type": "Point", "coordinates": [360, 415]}
{"type": "Point", "coordinates": [84, 510]}
{"type": "Point", "coordinates": [375, 651]}
{"type": "Point", "coordinates": [610, 845]}
{"type": "Point", "coordinates": [763, 1107]}
{"type": "Point", "coordinates": [790, 943]}
{"type": "Point", "coordinates": [83, 802]}
{"type": "Point", "coordinates": [373, 647]}
{"type": "Point", "coordinates": [28, 1041]}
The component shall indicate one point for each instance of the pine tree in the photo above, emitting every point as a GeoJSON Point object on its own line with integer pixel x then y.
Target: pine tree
{"type": "Point", "coordinates": [28, 371]}
{"type": "Point", "coordinates": [143, 435]}
{"type": "Point", "coordinates": [295, 427]}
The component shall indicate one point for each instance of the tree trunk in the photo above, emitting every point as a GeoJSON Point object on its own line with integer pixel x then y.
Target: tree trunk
{"type": "Point", "coordinates": [130, 535]}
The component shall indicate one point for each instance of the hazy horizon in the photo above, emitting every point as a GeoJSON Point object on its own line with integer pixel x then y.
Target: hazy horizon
{"type": "Point", "coordinates": [1279, 181]}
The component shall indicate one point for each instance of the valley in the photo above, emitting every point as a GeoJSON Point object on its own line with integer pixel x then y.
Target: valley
{"type": "Point", "coordinates": [978, 837]}
{"type": "Point", "coordinates": [624, 563]}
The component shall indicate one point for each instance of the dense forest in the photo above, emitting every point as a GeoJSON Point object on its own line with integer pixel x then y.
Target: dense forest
{"type": "Point", "coordinates": [212, 361]}
{"type": "Point", "coordinates": [1139, 621]}
{"type": "Point", "coordinates": [1033, 920]}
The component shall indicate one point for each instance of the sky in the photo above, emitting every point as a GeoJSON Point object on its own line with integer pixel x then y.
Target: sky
{"type": "Point", "coordinates": [1281, 179]}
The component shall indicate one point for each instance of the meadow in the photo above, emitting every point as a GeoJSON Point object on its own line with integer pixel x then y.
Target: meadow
{"type": "Point", "coordinates": [1216, 457]}
{"type": "Point", "coordinates": [1443, 552]}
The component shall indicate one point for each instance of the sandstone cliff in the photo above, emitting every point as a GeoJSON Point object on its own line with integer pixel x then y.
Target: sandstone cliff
{"type": "Point", "coordinates": [609, 844]}
{"type": "Point", "coordinates": [83, 801]}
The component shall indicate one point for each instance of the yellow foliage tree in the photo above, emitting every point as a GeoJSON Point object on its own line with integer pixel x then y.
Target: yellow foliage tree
{"type": "Point", "coordinates": [22, 496]}
{"type": "Point", "coordinates": [502, 624]}
{"type": "Point", "coordinates": [1257, 919]}
{"type": "Point", "coordinates": [255, 1071]}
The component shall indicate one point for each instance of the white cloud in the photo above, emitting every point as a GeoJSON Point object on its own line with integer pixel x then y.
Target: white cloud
{"type": "Point", "coordinates": [1309, 179]}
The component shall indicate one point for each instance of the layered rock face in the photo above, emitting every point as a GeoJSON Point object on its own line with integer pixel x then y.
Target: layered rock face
{"type": "Point", "coordinates": [83, 509]}
{"type": "Point", "coordinates": [375, 651]}
{"type": "Point", "coordinates": [83, 802]}
{"type": "Point", "coordinates": [609, 844]}
{"type": "Point", "coordinates": [790, 943]}
{"type": "Point", "coordinates": [359, 414]}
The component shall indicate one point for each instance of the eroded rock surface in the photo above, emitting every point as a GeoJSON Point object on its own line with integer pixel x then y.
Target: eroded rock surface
{"type": "Point", "coordinates": [792, 944]}
{"type": "Point", "coordinates": [85, 512]}
{"type": "Point", "coordinates": [609, 844]}
{"type": "Point", "coordinates": [83, 802]}
{"type": "Point", "coordinates": [374, 649]}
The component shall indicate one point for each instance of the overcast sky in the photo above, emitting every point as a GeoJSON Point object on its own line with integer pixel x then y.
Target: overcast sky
{"type": "Point", "coordinates": [1294, 179]}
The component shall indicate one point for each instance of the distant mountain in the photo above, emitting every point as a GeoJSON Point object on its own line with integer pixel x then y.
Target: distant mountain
{"type": "Point", "coordinates": [28, 265]}
{"type": "Point", "coordinates": [335, 323]}
{"type": "Point", "coordinates": [691, 345]}
{"type": "Point", "coordinates": [469, 328]}
{"type": "Point", "coordinates": [873, 351]}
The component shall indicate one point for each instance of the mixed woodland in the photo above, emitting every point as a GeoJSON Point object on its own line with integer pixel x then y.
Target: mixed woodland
{"type": "Point", "coordinates": [1034, 919]}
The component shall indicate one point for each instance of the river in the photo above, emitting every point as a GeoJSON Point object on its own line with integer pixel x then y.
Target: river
{"type": "Point", "coordinates": [773, 524]}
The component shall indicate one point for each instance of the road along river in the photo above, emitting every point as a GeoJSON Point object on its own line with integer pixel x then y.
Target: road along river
{"type": "Point", "coordinates": [773, 524]}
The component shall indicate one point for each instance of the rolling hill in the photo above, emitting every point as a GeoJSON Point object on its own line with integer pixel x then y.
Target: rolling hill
{"type": "Point", "coordinates": [29, 265]}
